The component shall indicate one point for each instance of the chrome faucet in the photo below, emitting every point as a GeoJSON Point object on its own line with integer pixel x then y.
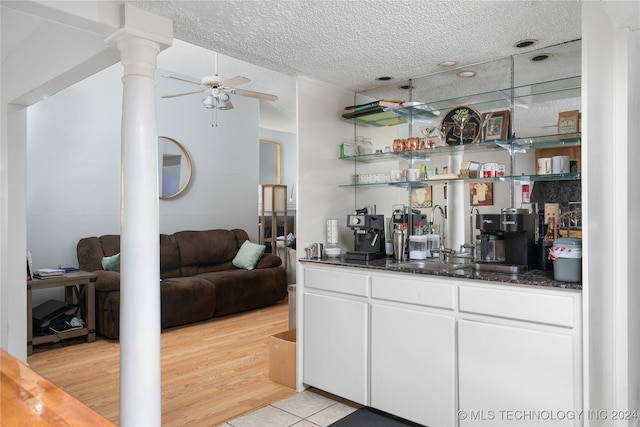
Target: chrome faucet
{"type": "Point", "coordinates": [442, 250]}
{"type": "Point", "coordinates": [471, 245]}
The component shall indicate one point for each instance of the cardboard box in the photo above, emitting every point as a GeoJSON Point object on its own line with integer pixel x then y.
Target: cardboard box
{"type": "Point", "coordinates": [282, 358]}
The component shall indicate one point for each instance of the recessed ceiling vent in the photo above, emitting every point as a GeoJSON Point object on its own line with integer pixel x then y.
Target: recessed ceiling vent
{"type": "Point", "coordinates": [525, 43]}
{"type": "Point", "coordinates": [541, 57]}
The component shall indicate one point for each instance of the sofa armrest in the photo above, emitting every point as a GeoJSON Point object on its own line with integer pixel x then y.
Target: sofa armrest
{"type": "Point", "coordinates": [269, 261]}
{"type": "Point", "coordinates": [107, 281]}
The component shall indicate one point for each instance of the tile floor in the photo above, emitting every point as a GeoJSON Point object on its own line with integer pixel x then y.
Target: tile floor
{"type": "Point", "coordinates": [311, 408]}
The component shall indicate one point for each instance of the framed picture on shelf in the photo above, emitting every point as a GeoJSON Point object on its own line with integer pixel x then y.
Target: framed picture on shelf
{"type": "Point", "coordinates": [421, 198]}
{"type": "Point", "coordinates": [481, 194]}
{"type": "Point", "coordinates": [497, 126]}
{"type": "Point", "coordinates": [569, 122]}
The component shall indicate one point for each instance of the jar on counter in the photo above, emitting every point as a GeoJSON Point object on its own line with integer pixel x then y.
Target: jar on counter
{"type": "Point", "coordinates": [418, 246]}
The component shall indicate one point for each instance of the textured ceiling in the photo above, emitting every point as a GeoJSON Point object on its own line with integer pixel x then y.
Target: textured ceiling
{"type": "Point", "coordinates": [350, 43]}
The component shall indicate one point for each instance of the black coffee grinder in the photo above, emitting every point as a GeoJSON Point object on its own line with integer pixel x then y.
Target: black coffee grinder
{"type": "Point", "coordinates": [519, 227]}
{"type": "Point", "coordinates": [368, 236]}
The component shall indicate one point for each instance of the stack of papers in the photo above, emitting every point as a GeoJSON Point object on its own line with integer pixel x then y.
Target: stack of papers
{"type": "Point", "coordinates": [44, 273]}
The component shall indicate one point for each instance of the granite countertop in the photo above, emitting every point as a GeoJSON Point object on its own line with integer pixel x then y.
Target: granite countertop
{"type": "Point", "coordinates": [528, 278]}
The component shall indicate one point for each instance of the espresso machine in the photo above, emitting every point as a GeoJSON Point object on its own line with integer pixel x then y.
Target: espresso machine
{"type": "Point", "coordinates": [368, 236]}
{"type": "Point", "coordinates": [412, 219]}
{"type": "Point", "coordinates": [506, 241]}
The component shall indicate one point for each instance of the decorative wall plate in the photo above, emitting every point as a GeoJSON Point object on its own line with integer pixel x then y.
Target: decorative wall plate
{"type": "Point", "coordinates": [472, 125]}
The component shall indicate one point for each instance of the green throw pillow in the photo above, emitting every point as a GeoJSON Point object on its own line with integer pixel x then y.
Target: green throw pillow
{"type": "Point", "coordinates": [111, 263]}
{"type": "Point", "coordinates": [248, 255]}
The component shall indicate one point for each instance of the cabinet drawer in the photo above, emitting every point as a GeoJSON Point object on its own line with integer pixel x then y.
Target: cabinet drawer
{"type": "Point", "coordinates": [419, 292]}
{"type": "Point", "coordinates": [337, 281]}
{"type": "Point", "coordinates": [528, 306]}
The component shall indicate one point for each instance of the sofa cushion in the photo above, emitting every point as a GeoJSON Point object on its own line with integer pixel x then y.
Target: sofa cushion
{"type": "Point", "coordinates": [107, 281]}
{"type": "Point", "coordinates": [239, 290]}
{"type": "Point", "coordinates": [248, 255]}
{"type": "Point", "coordinates": [186, 300]}
{"type": "Point", "coordinates": [207, 250]}
{"type": "Point", "coordinates": [108, 313]}
{"type": "Point", "coordinates": [111, 263]}
{"type": "Point", "coordinates": [268, 261]}
{"type": "Point", "coordinates": [90, 253]}
{"type": "Point", "coordinates": [110, 244]}
{"type": "Point", "coordinates": [169, 256]}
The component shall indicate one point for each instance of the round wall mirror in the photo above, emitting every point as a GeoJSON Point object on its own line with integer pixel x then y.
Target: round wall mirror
{"type": "Point", "coordinates": [174, 164]}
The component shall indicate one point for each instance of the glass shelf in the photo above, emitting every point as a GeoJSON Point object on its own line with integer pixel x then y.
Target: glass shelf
{"type": "Point", "coordinates": [521, 145]}
{"type": "Point", "coordinates": [404, 184]}
{"type": "Point", "coordinates": [548, 177]}
{"type": "Point", "coordinates": [573, 176]}
{"type": "Point", "coordinates": [500, 99]}
{"type": "Point", "coordinates": [569, 87]}
{"type": "Point", "coordinates": [517, 145]}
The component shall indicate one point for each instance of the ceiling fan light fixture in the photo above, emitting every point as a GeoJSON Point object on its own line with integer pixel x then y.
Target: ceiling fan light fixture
{"type": "Point", "coordinates": [225, 105]}
{"type": "Point", "coordinates": [209, 102]}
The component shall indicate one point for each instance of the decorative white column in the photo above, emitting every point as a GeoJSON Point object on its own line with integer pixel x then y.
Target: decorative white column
{"type": "Point", "coordinates": [140, 377]}
{"type": "Point", "coordinates": [456, 194]}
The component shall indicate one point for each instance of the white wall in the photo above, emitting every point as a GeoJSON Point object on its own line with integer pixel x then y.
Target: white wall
{"type": "Point", "coordinates": [68, 58]}
{"type": "Point", "coordinates": [319, 170]}
{"type": "Point", "coordinates": [73, 166]}
{"type": "Point", "coordinates": [610, 286]}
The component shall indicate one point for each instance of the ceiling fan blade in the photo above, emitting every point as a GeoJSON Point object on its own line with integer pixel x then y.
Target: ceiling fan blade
{"type": "Point", "coordinates": [236, 81]}
{"type": "Point", "coordinates": [195, 82]}
{"type": "Point", "coordinates": [253, 94]}
{"type": "Point", "coordinates": [183, 94]}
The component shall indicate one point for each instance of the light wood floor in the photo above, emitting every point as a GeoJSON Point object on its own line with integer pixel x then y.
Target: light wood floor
{"type": "Point", "coordinates": [212, 371]}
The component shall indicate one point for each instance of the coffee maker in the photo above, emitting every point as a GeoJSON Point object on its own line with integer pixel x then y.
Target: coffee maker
{"type": "Point", "coordinates": [507, 239]}
{"type": "Point", "coordinates": [368, 236]}
{"type": "Point", "coordinates": [413, 218]}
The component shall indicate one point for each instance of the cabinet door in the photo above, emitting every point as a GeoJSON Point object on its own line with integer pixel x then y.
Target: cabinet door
{"type": "Point", "coordinates": [335, 346]}
{"type": "Point", "coordinates": [515, 377]}
{"type": "Point", "coordinates": [413, 364]}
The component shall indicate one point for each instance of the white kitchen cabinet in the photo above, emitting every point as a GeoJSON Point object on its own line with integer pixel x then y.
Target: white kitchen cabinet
{"type": "Point", "coordinates": [514, 376]}
{"type": "Point", "coordinates": [413, 364]}
{"type": "Point", "coordinates": [336, 346]}
{"type": "Point", "coordinates": [444, 351]}
{"type": "Point", "coordinates": [336, 331]}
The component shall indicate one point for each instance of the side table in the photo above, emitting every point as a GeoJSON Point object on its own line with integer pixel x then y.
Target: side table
{"type": "Point", "coordinates": [83, 285]}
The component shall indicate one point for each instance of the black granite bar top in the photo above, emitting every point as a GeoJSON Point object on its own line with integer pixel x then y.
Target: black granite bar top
{"type": "Point", "coordinates": [528, 278]}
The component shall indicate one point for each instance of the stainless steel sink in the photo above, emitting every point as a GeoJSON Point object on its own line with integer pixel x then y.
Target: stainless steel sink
{"type": "Point", "coordinates": [431, 265]}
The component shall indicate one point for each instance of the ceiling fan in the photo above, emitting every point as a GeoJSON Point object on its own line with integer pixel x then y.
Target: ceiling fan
{"type": "Point", "coordinates": [219, 89]}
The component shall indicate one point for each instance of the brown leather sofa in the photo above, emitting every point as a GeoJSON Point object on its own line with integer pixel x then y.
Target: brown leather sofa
{"type": "Point", "coordinates": [198, 279]}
